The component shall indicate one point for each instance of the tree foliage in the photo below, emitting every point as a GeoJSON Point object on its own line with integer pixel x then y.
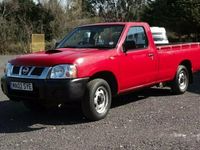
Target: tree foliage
{"type": "Point", "coordinates": [21, 18]}
{"type": "Point", "coordinates": [180, 16]}
{"type": "Point", "coordinates": [118, 10]}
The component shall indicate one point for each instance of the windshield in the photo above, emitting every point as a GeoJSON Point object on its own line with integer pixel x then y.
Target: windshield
{"type": "Point", "coordinates": [97, 36]}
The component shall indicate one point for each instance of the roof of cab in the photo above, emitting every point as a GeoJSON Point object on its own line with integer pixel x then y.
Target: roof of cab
{"type": "Point", "coordinates": [114, 23]}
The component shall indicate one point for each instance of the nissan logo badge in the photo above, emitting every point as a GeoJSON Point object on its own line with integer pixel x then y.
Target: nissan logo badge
{"type": "Point", "coordinates": [25, 70]}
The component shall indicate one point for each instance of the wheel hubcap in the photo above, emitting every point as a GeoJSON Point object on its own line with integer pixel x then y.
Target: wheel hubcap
{"type": "Point", "coordinates": [182, 80]}
{"type": "Point", "coordinates": [101, 99]}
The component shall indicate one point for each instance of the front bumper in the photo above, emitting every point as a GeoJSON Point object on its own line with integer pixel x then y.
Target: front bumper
{"type": "Point", "coordinates": [47, 91]}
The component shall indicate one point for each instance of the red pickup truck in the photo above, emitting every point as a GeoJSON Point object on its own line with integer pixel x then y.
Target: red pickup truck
{"type": "Point", "coordinates": [96, 62]}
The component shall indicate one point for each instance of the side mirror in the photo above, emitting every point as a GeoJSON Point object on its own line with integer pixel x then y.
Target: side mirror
{"type": "Point", "coordinates": [128, 45]}
{"type": "Point", "coordinates": [124, 48]}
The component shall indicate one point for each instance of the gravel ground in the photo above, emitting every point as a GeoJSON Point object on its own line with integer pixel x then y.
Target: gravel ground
{"type": "Point", "coordinates": [151, 119]}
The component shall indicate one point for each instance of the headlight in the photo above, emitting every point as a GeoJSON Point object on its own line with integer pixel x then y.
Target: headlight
{"type": "Point", "coordinates": [8, 69]}
{"type": "Point", "coordinates": [63, 71]}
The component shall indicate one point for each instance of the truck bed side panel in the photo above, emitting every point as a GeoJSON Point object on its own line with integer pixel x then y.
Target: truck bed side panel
{"type": "Point", "coordinates": [173, 55]}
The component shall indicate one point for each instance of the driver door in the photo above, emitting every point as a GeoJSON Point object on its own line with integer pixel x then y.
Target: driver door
{"type": "Point", "coordinates": [137, 64]}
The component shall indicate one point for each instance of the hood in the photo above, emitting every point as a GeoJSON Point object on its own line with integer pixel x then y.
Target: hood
{"type": "Point", "coordinates": [57, 56]}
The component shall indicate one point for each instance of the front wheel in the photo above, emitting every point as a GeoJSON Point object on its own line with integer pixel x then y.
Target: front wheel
{"type": "Point", "coordinates": [181, 80]}
{"type": "Point", "coordinates": [97, 101]}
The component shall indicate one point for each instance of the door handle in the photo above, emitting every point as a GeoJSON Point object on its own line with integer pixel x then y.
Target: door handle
{"type": "Point", "coordinates": [150, 54]}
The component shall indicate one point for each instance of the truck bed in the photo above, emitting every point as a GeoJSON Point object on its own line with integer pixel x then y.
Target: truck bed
{"type": "Point", "coordinates": [170, 56]}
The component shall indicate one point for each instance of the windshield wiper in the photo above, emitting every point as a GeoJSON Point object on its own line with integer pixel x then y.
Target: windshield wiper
{"type": "Point", "coordinates": [69, 46]}
{"type": "Point", "coordinates": [101, 47]}
{"type": "Point", "coordinates": [97, 46]}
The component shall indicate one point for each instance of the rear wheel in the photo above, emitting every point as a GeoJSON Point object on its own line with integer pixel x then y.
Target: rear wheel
{"type": "Point", "coordinates": [97, 101]}
{"type": "Point", "coordinates": [181, 80]}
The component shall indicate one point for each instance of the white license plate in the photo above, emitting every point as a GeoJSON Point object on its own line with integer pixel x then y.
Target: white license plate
{"type": "Point", "coordinates": [21, 86]}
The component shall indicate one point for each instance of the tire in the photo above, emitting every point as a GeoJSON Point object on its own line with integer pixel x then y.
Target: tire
{"type": "Point", "coordinates": [97, 101]}
{"type": "Point", "coordinates": [181, 80]}
{"type": "Point", "coordinates": [34, 106]}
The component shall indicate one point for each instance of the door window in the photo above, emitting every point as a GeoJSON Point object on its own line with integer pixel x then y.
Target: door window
{"type": "Point", "coordinates": [136, 38]}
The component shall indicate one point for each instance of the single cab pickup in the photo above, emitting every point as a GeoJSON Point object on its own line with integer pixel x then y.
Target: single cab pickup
{"type": "Point", "coordinates": [95, 62]}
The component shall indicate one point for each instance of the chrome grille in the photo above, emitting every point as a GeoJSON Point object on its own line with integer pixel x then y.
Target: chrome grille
{"type": "Point", "coordinates": [31, 72]}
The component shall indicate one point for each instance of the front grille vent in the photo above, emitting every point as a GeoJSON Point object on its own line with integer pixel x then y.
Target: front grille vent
{"type": "Point", "coordinates": [16, 70]}
{"type": "Point", "coordinates": [37, 71]}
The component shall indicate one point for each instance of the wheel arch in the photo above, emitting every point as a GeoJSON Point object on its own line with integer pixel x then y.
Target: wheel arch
{"type": "Point", "coordinates": [110, 78]}
{"type": "Point", "coordinates": [187, 63]}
